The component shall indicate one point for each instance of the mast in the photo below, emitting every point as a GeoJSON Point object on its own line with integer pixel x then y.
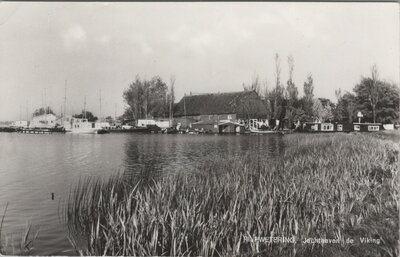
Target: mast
{"type": "Point", "coordinates": [115, 114]}
{"type": "Point", "coordinates": [45, 103]}
{"type": "Point", "coordinates": [84, 107]}
{"type": "Point", "coordinates": [65, 99]}
{"type": "Point", "coordinates": [184, 109]}
{"type": "Point", "coordinates": [27, 117]}
{"type": "Point", "coordinates": [100, 106]}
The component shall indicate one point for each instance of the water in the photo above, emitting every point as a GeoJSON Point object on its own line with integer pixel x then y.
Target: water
{"type": "Point", "coordinates": [32, 167]}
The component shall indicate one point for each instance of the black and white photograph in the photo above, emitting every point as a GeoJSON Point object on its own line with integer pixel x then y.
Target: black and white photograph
{"type": "Point", "coordinates": [200, 129]}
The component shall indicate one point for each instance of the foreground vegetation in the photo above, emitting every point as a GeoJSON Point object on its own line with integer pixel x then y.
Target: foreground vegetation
{"type": "Point", "coordinates": [7, 244]}
{"type": "Point", "coordinates": [325, 186]}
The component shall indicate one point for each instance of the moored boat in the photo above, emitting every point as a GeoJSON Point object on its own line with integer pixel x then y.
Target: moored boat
{"type": "Point", "coordinates": [260, 131]}
{"type": "Point", "coordinates": [82, 126]}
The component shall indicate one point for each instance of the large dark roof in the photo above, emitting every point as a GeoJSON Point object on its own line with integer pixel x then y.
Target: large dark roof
{"type": "Point", "coordinates": [245, 104]}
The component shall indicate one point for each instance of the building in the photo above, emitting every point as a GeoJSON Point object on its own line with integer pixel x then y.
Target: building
{"type": "Point", "coordinates": [367, 127]}
{"type": "Point", "coordinates": [43, 121]}
{"type": "Point", "coordinates": [341, 127]}
{"type": "Point", "coordinates": [219, 112]}
{"type": "Point", "coordinates": [161, 123]}
{"type": "Point", "coordinates": [20, 124]}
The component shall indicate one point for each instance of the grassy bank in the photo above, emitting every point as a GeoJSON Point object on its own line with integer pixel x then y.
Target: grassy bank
{"type": "Point", "coordinates": [325, 186]}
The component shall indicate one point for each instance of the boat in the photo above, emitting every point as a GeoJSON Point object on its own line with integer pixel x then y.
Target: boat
{"type": "Point", "coordinates": [171, 131]}
{"type": "Point", "coordinates": [260, 131]}
{"type": "Point", "coordinates": [82, 126]}
{"type": "Point", "coordinates": [103, 131]}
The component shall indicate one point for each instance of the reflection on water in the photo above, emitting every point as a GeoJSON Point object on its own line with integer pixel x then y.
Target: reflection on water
{"type": "Point", "coordinates": [34, 166]}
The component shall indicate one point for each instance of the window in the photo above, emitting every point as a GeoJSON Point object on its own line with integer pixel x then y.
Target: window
{"type": "Point", "coordinates": [229, 117]}
{"type": "Point", "coordinates": [373, 128]}
{"type": "Point", "coordinates": [356, 127]}
{"type": "Point", "coordinates": [340, 127]}
{"type": "Point", "coordinates": [327, 127]}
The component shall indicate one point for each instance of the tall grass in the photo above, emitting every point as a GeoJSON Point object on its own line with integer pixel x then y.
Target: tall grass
{"type": "Point", "coordinates": [324, 186]}
{"type": "Point", "coordinates": [25, 244]}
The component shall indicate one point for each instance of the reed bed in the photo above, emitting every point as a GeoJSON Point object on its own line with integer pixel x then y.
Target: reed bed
{"type": "Point", "coordinates": [325, 186]}
{"type": "Point", "coordinates": [26, 240]}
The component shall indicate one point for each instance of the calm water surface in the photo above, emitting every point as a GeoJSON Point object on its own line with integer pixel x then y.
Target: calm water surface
{"type": "Point", "coordinates": [34, 166]}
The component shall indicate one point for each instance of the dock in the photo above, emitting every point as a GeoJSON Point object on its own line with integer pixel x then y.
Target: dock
{"type": "Point", "coordinates": [35, 131]}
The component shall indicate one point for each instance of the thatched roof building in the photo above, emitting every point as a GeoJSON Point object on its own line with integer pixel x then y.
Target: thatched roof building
{"type": "Point", "coordinates": [245, 104]}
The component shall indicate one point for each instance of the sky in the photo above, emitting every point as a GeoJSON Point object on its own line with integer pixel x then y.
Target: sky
{"type": "Point", "coordinates": [97, 49]}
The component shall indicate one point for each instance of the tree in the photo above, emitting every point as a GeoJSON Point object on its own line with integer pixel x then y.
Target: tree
{"type": "Point", "coordinates": [308, 102]}
{"type": "Point", "coordinates": [291, 92]}
{"type": "Point", "coordinates": [346, 107]}
{"type": "Point", "coordinates": [42, 111]}
{"type": "Point", "coordinates": [147, 98]}
{"type": "Point", "coordinates": [328, 106]}
{"type": "Point", "coordinates": [254, 86]}
{"type": "Point", "coordinates": [373, 90]}
{"type": "Point", "coordinates": [386, 107]}
{"type": "Point", "coordinates": [267, 100]}
{"type": "Point", "coordinates": [171, 96]}
{"type": "Point", "coordinates": [317, 110]}
{"type": "Point", "coordinates": [276, 97]}
{"type": "Point", "coordinates": [367, 92]}
{"type": "Point", "coordinates": [337, 110]}
{"type": "Point", "coordinates": [109, 119]}
{"type": "Point", "coordinates": [89, 116]}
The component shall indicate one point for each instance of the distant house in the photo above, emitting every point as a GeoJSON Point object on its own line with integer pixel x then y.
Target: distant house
{"type": "Point", "coordinates": [219, 112]}
{"type": "Point", "coordinates": [20, 124]}
{"type": "Point", "coordinates": [43, 121]}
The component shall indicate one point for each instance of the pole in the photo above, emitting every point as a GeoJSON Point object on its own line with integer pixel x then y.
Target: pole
{"type": "Point", "coordinates": [115, 114]}
{"type": "Point", "coordinates": [184, 108]}
{"type": "Point", "coordinates": [84, 108]}
{"type": "Point", "coordinates": [100, 106]}
{"type": "Point", "coordinates": [65, 99]}
{"type": "Point", "coordinates": [45, 103]}
{"type": "Point", "coordinates": [27, 117]}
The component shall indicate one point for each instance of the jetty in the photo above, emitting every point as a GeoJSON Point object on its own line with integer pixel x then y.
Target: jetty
{"type": "Point", "coordinates": [35, 131]}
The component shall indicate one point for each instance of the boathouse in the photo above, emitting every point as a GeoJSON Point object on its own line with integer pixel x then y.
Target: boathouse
{"type": "Point", "coordinates": [219, 112]}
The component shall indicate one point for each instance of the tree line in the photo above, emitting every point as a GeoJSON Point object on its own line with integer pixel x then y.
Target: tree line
{"type": "Point", "coordinates": [378, 100]}
{"type": "Point", "coordinates": [149, 98]}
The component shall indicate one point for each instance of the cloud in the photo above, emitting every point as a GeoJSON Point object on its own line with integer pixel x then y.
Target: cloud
{"type": "Point", "coordinates": [143, 46]}
{"type": "Point", "coordinates": [103, 39]}
{"type": "Point", "coordinates": [74, 38]}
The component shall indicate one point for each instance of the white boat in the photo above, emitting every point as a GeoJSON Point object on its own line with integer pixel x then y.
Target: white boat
{"type": "Point", "coordinates": [260, 131]}
{"type": "Point", "coordinates": [82, 126]}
